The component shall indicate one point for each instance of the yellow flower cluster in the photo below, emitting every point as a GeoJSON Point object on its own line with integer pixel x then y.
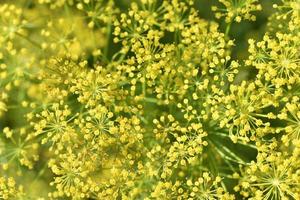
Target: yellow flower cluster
{"type": "Point", "coordinates": [291, 114]}
{"type": "Point", "coordinates": [12, 23]}
{"type": "Point", "coordinates": [19, 147]}
{"type": "Point", "coordinates": [277, 59]}
{"type": "Point", "coordinates": [241, 111]}
{"type": "Point", "coordinates": [204, 187]}
{"type": "Point", "coordinates": [275, 175]}
{"type": "Point", "coordinates": [237, 10]}
{"type": "Point", "coordinates": [148, 99]}
{"type": "Point", "coordinates": [9, 190]}
{"type": "Point", "coordinates": [288, 13]}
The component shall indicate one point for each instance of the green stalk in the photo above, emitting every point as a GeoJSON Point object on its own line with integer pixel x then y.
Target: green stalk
{"type": "Point", "coordinates": [108, 33]}
{"type": "Point", "coordinates": [228, 27]}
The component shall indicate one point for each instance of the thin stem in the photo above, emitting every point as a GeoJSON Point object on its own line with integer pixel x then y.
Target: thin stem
{"type": "Point", "coordinates": [29, 40]}
{"type": "Point", "coordinates": [144, 88]}
{"type": "Point", "coordinates": [228, 27]}
{"type": "Point", "coordinates": [41, 172]}
{"type": "Point", "coordinates": [108, 29]}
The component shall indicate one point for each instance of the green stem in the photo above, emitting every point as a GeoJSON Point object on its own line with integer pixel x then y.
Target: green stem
{"type": "Point", "coordinates": [29, 40]}
{"type": "Point", "coordinates": [41, 172]}
{"type": "Point", "coordinates": [108, 29]}
{"type": "Point", "coordinates": [176, 36]}
{"type": "Point", "coordinates": [228, 27]}
{"type": "Point", "coordinates": [144, 86]}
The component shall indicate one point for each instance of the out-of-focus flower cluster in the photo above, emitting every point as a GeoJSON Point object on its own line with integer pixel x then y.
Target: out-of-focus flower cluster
{"type": "Point", "coordinates": [146, 100]}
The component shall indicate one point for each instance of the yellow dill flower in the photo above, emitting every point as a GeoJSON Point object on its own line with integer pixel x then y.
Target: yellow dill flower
{"type": "Point", "coordinates": [175, 14]}
{"type": "Point", "coordinates": [242, 112]}
{"type": "Point", "coordinates": [288, 13]}
{"type": "Point", "coordinates": [186, 149]}
{"type": "Point", "coordinates": [148, 99]}
{"type": "Point", "coordinates": [98, 11]}
{"type": "Point", "coordinates": [185, 143]}
{"type": "Point", "coordinates": [94, 86]}
{"type": "Point", "coordinates": [276, 59]}
{"type": "Point", "coordinates": [165, 190]}
{"type": "Point", "coordinates": [18, 148]}
{"type": "Point", "coordinates": [54, 4]}
{"type": "Point", "coordinates": [274, 176]}
{"type": "Point", "coordinates": [140, 21]}
{"type": "Point", "coordinates": [205, 187]}
{"type": "Point", "coordinates": [291, 114]}
{"type": "Point", "coordinates": [58, 74]}
{"type": "Point", "coordinates": [17, 69]}
{"type": "Point", "coordinates": [67, 35]}
{"type": "Point", "coordinates": [12, 22]}
{"type": "Point", "coordinates": [70, 176]}
{"type": "Point", "coordinates": [53, 125]}
{"type": "Point", "coordinates": [9, 189]}
{"type": "Point", "coordinates": [97, 127]}
{"type": "Point", "coordinates": [237, 10]}
{"type": "Point", "coordinates": [211, 48]}
{"type": "Point", "coordinates": [59, 35]}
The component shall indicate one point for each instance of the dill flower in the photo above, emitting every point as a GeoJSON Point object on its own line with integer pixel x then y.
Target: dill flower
{"type": "Point", "coordinates": [137, 23]}
{"type": "Point", "coordinates": [237, 10]}
{"type": "Point", "coordinates": [17, 69]}
{"type": "Point", "coordinates": [289, 14]}
{"type": "Point", "coordinates": [59, 35]}
{"type": "Point", "coordinates": [291, 114]}
{"type": "Point", "coordinates": [54, 124]}
{"type": "Point", "coordinates": [55, 4]}
{"type": "Point", "coordinates": [274, 176]}
{"type": "Point", "coordinates": [12, 22]}
{"type": "Point", "coordinates": [9, 189]}
{"type": "Point", "coordinates": [70, 176]}
{"type": "Point", "coordinates": [212, 48]}
{"type": "Point", "coordinates": [175, 14]}
{"type": "Point", "coordinates": [18, 148]}
{"type": "Point", "coordinates": [164, 190]}
{"type": "Point", "coordinates": [276, 59]}
{"type": "Point", "coordinates": [94, 86]}
{"type": "Point", "coordinates": [149, 99]}
{"type": "Point", "coordinates": [97, 126]}
{"type": "Point", "coordinates": [206, 187]}
{"type": "Point", "coordinates": [98, 11]}
{"type": "Point", "coordinates": [242, 114]}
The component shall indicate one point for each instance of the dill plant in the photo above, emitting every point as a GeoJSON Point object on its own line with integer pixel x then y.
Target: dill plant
{"type": "Point", "coordinates": [147, 99]}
